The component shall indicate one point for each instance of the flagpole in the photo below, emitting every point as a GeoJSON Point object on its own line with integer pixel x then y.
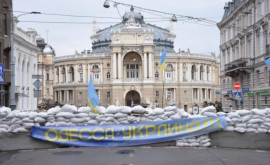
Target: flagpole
{"type": "Point", "coordinates": [163, 91]}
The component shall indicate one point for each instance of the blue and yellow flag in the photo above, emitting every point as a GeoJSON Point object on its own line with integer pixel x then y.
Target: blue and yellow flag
{"type": "Point", "coordinates": [92, 96]}
{"type": "Point", "coordinates": [162, 60]}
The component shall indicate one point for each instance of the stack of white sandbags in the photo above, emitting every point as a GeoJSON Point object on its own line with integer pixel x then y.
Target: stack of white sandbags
{"type": "Point", "coordinates": [199, 141]}
{"type": "Point", "coordinates": [254, 121]}
{"type": "Point", "coordinates": [17, 121]}
{"type": "Point", "coordinates": [209, 111]}
{"type": "Point", "coordinates": [69, 115]}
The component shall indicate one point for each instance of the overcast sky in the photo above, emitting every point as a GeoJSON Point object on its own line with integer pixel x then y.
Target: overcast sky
{"type": "Point", "coordinates": [66, 38]}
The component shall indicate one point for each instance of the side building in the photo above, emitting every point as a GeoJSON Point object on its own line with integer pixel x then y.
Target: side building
{"type": "Point", "coordinates": [25, 52]}
{"type": "Point", "coordinates": [124, 64]}
{"type": "Point", "coordinates": [244, 46]}
{"type": "Point", "coordinates": [5, 8]}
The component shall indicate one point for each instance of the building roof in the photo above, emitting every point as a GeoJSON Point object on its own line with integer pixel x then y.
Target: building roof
{"type": "Point", "coordinates": [136, 19]}
{"type": "Point", "coordinates": [229, 7]}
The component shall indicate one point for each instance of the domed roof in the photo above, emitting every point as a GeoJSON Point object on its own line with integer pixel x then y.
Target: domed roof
{"type": "Point", "coordinates": [48, 50]}
{"type": "Point", "coordinates": [134, 15]}
{"type": "Point", "coordinates": [133, 21]}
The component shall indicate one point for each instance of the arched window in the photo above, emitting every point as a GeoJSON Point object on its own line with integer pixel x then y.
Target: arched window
{"type": "Point", "coordinates": [169, 71]}
{"type": "Point", "coordinates": [156, 75]}
{"type": "Point", "coordinates": [63, 74]}
{"type": "Point", "coordinates": [96, 72]}
{"type": "Point", "coordinates": [71, 73]}
{"type": "Point", "coordinates": [108, 75]}
{"type": "Point", "coordinates": [201, 72]}
{"type": "Point", "coordinates": [193, 72]}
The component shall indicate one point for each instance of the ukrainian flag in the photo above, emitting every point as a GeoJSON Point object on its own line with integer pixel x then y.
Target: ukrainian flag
{"type": "Point", "coordinates": [162, 60]}
{"type": "Point", "coordinates": [92, 96]}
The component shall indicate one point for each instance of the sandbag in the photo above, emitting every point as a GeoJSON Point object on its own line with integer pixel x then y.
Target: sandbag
{"type": "Point", "coordinates": [43, 115]}
{"type": "Point", "coordinates": [138, 109]}
{"type": "Point", "coordinates": [158, 111]}
{"type": "Point", "coordinates": [258, 112]}
{"type": "Point", "coordinates": [20, 130]}
{"type": "Point", "coordinates": [252, 130]}
{"type": "Point", "coordinates": [232, 115]}
{"type": "Point", "coordinates": [69, 108]}
{"type": "Point", "coordinates": [229, 128]}
{"type": "Point", "coordinates": [221, 114]}
{"type": "Point", "coordinates": [209, 114]}
{"type": "Point", "coordinates": [54, 110]}
{"type": "Point", "coordinates": [209, 109]}
{"type": "Point", "coordinates": [4, 111]}
{"type": "Point", "coordinates": [40, 120]}
{"type": "Point", "coordinates": [240, 129]}
{"type": "Point", "coordinates": [84, 110]}
{"type": "Point", "coordinates": [126, 110]}
{"type": "Point", "coordinates": [170, 108]}
{"type": "Point", "coordinates": [243, 112]}
{"type": "Point", "coordinates": [3, 130]}
{"type": "Point", "coordinates": [113, 109]}
{"type": "Point", "coordinates": [66, 115]}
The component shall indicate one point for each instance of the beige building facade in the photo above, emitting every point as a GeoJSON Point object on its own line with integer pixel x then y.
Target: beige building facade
{"type": "Point", "coordinates": [125, 67]}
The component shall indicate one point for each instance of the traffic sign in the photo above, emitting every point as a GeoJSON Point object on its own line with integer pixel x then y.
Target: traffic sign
{"type": "Point", "coordinates": [37, 76]}
{"type": "Point", "coordinates": [37, 84]}
{"type": "Point", "coordinates": [1, 74]}
{"type": "Point", "coordinates": [237, 96]}
{"type": "Point", "coordinates": [37, 93]}
{"type": "Point", "coordinates": [237, 86]}
{"type": "Point", "coordinates": [245, 89]}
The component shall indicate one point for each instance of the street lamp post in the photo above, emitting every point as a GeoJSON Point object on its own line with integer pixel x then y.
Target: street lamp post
{"type": "Point", "coordinates": [12, 103]}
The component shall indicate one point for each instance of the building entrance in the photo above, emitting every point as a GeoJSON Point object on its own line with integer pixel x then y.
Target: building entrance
{"type": "Point", "coordinates": [133, 98]}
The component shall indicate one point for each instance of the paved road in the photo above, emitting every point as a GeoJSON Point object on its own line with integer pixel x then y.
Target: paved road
{"type": "Point", "coordinates": [136, 156]}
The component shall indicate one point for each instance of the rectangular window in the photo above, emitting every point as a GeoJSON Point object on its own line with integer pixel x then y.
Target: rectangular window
{"type": "Point", "coordinates": [63, 95]}
{"type": "Point", "coordinates": [157, 94]}
{"type": "Point", "coordinates": [70, 95]}
{"type": "Point", "coordinates": [185, 95]}
{"type": "Point", "coordinates": [48, 78]}
{"type": "Point", "coordinates": [203, 93]}
{"type": "Point", "coordinates": [209, 93]}
{"type": "Point", "coordinates": [96, 76]}
{"type": "Point", "coordinates": [195, 93]}
{"type": "Point", "coordinates": [48, 91]}
{"type": "Point", "coordinates": [80, 96]}
{"type": "Point", "coordinates": [170, 94]}
{"type": "Point", "coordinates": [81, 77]}
{"type": "Point", "coordinates": [5, 24]}
{"type": "Point", "coordinates": [184, 76]}
{"type": "Point", "coordinates": [56, 96]}
{"type": "Point", "coordinates": [108, 94]}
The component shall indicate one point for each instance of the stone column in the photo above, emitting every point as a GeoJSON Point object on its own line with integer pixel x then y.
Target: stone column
{"type": "Point", "coordinates": [119, 67]}
{"type": "Point", "coordinates": [114, 66]}
{"type": "Point", "coordinates": [145, 65]}
{"type": "Point", "coordinates": [101, 72]}
{"type": "Point", "coordinates": [150, 66]}
{"type": "Point", "coordinates": [205, 72]}
{"type": "Point", "coordinates": [176, 72]}
{"type": "Point", "coordinates": [84, 73]}
{"type": "Point", "coordinates": [189, 72]}
{"type": "Point", "coordinates": [197, 72]}
{"type": "Point", "coordinates": [210, 73]}
{"type": "Point", "coordinates": [76, 74]}
{"type": "Point", "coordinates": [67, 79]}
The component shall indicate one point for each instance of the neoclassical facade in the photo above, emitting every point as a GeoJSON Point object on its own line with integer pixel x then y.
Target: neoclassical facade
{"type": "Point", "coordinates": [124, 64]}
{"type": "Point", "coordinates": [245, 39]}
{"type": "Point", "coordinates": [25, 52]}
